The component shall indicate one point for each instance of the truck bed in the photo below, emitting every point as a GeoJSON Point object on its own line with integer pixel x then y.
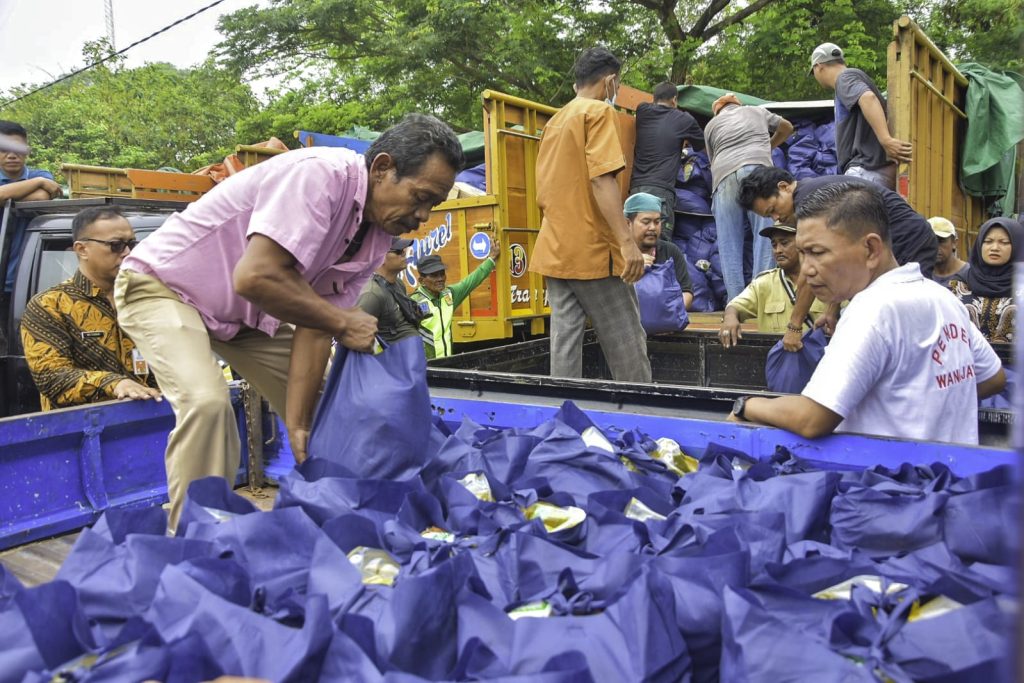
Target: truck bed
{"type": "Point", "coordinates": [38, 562]}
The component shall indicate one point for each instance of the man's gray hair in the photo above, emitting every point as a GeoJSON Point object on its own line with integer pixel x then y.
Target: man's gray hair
{"type": "Point", "coordinates": [413, 140]}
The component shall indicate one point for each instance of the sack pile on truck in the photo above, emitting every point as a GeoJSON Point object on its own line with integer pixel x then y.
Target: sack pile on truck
{"type": "Point", "coordinates": [810, 151]}
{"type": "Point", "coordinates": [559, 552]}
{"type": "Point", "coordinates": [694, 233]}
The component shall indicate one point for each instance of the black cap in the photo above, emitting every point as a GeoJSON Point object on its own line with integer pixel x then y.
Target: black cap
{"type": "Point", "coordinates": [400, 243]}
{"type": "Point", "coordinates": [430, 265]}
{"type": "Point", "coordinates": [778, 227]}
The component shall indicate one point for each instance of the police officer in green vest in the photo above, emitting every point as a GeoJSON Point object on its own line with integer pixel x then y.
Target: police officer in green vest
{"type": "Point", "coordinates": [439, 299]}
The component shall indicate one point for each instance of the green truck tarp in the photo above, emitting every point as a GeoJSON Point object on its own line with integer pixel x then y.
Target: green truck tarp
{"type": "Point", "coordinates": [995, 124]}
{"type": "Point", "coordinates": [697, 99]}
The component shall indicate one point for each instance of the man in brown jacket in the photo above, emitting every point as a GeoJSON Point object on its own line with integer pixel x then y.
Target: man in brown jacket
{"type": "Point", "coordinates": [585, 247]}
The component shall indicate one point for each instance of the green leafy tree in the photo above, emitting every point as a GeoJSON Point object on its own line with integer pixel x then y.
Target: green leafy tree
{"type": "Point", "coordinates": [990, 32]}
{"type": "Point", "coordinates": [152, 116]}
{"type": "Point", "coordinates": [769, 55]}
{"type": "Point", "coordinates": [435, 56]}
{"type": "Point", "coordinates": [688, 27]}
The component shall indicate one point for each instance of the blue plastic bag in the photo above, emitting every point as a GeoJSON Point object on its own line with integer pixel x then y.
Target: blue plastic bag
{"type": "Point", "coordinates": [788, 372]}
{"type": "Point", "coordinates": [886, 520]}
{"type": "Point", "coordinates": [242, 641]}
{"type": "Point", "coordinates": [374, 417]}
{"type": "Point", "coordinates": [633, 639]}
{"type": "Point", "coordinates": [324, 490]}
{"type": "Point", "coordinates": [40, 628]}
{"type": "Point", "coordinates": [211, 500]}
{"type": "Point", "coordinates": [661, 300]}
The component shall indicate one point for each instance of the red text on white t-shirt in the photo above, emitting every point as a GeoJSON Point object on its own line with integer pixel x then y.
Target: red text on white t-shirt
{"type": "Point", "coordinates": [951, 332]}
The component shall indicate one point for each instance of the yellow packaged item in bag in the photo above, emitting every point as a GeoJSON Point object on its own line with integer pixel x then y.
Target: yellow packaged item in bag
{"type": "Point", "coordinates": [555, 518]}
{"type": "Point", "coordinates": [477, 484]}
{"type": "Point", "coordinates": [376, 566]}
{"type": "Point", "coordinates": [672, 456]}
{"type": "Point", "coordinates": [531, 610]}
{"type": "Point", "coordinates": [933, 608]}
{"type": "Point", "coordinates": [640, 512]}
{"type": "Point", "coordinates": [437, 534]}
{"type": "Point", "coordinates": [844, 590]}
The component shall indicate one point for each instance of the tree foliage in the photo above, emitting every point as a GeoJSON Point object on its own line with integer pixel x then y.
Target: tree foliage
{"type": "Point", "coordinates": [148, 117]}
{"type": "Point", "coordinates": [687, 27]}
{"type": "Point", "coordinates": [990, 32]}
{"type": "Point", "coordinates": [769, 54]}
{"type": "Point", "coordinates": [428, 55]}
{"type": "Point", "coordinates": [345, 63]}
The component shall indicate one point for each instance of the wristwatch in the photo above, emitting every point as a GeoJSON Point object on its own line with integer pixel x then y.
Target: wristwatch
{"type": "Point", "coordinates": [738, 406]}
{"type": "Point", "coordinates": [794, 328]}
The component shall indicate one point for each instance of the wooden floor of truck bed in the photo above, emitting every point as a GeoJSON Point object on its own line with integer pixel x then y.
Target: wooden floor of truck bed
{"type": "Point", "coordinates": [38, 562]}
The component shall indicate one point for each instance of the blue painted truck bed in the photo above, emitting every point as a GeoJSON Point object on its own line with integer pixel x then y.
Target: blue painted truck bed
{"type": "Point", "coordinates": [60, 470]}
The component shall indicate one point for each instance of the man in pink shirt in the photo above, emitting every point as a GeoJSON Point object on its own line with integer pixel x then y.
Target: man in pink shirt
{"type": "Point", "coordinates": [292, 240]}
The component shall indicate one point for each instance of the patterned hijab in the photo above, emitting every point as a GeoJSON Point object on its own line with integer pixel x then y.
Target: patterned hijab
{"type": "Point", "coordinates": [995, 281]}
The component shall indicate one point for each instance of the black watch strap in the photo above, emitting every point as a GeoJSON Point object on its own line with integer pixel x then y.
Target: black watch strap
{"type": "Point", "coordinates": [739, 407]}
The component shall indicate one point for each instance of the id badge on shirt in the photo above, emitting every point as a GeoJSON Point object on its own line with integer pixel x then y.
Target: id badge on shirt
{"type": "Point", "coordinates": [139, 365]}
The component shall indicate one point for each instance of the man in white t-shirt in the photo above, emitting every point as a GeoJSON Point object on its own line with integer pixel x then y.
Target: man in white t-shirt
{"type": "Point", "coordinates": [905, 360]}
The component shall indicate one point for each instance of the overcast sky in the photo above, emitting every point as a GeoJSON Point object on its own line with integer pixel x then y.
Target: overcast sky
{"type": "Point", "coordinates": [43, 38]}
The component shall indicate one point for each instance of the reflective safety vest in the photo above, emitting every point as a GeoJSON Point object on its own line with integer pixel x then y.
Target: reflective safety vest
{"type": "Point", "coordinates": [436, 330]}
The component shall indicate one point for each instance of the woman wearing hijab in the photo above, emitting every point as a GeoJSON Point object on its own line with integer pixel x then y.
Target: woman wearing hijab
{"type": "Point", "coordinates": [988, 291]}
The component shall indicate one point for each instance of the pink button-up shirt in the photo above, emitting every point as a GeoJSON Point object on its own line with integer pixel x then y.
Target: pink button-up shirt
{"type": "Point", "coordinates": [309, 201]}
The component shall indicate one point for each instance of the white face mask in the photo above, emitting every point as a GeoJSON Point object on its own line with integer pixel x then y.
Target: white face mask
{"type": "Point", "coordinates": [611, 100]}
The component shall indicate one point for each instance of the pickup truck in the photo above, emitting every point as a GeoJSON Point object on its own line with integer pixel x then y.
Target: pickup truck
{"type": "Point", "coordinates": [46, 260]}
{"type": "Point", "coordinates": [60, 469]}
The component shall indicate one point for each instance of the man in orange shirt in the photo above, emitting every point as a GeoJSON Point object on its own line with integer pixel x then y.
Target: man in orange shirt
{"type": "Point", "coordinates": [585, 248]}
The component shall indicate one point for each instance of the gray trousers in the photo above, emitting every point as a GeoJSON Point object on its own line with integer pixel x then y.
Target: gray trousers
{"type": "Point", "coordinates": [612, 307]}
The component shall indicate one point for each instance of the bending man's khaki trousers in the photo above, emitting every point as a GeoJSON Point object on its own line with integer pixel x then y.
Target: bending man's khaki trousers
{"type": "Point", "coordinates": [172, 338]}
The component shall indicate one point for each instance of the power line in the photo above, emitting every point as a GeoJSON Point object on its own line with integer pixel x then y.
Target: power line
{"type": "Point", "coordinates": [111, 55]}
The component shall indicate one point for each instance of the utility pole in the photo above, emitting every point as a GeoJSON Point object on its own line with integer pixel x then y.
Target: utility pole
{"type": "Point", "coordinates": [108, 16]}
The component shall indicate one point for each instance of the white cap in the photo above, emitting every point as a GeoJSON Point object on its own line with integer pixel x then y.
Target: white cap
{"type": "Point", "coordinates": [942, 227]}
{"type": "Point", "coordinates": [826, 52]}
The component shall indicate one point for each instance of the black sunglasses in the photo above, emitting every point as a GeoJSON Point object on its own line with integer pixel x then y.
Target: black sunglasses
{"type": "Point", "coordinates": [116, 246]}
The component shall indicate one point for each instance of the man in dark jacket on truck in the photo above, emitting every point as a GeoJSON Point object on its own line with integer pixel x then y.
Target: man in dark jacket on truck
{"type": "Point", "coordinates": [290, 242]}
{"type": "Point", "coordinates": [661, 132]}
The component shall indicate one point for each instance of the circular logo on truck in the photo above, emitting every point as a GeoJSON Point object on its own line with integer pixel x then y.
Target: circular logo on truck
{"type": "Point", "coordinates": [517, 260]}
{"type": "Point", "coordinates": [480, 245]}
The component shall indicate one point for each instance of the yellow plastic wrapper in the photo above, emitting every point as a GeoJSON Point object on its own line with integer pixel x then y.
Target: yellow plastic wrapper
{"type": "Point", "coordinates": [844, 590]}
{"type": "Point", "coordinates": [437, 534]}
{"type": "Point", "coordinates": [555, 518]}
{"type": "Point", "coordinates": [377, 567]}
{"type": "Point", "coordinates": [532, 610]}
{"type": "Point", "coordinates": [933, 608]}
{"type": "Point", "coordinates": [640, 512]}
{"type": "Point", "coordinates": [477, 484]}
{"type": "Point", "coordinates": [672, 456]}
{"type": "Point", "coordinates": [593, 437]}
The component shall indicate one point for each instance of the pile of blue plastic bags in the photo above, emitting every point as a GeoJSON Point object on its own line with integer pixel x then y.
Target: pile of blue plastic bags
{"type": "Point", "coordinates": [695, 233]}
{"type": "Point", "coordinates": [556, 553]}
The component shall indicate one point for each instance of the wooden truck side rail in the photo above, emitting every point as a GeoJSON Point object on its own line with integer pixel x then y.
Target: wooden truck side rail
{"type": "Point", "coordinates": [926, 107]}
{"type": "Point", "coordinates": [137, 183]}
